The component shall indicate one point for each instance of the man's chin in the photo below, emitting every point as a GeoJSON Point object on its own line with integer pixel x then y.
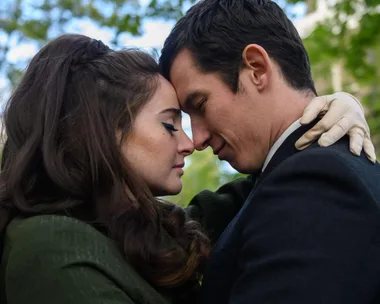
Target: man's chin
{"type": "Point", "coordinates": [245, 168]}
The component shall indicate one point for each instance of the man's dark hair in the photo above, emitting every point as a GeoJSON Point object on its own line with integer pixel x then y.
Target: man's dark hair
{"type": "Point", "coordinates": [217, 31]}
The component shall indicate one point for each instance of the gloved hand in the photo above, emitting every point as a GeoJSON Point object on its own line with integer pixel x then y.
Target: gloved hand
{"type": "Point", "coordinates": [342, 114]}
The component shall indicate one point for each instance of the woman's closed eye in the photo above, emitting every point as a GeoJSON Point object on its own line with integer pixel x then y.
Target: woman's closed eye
{"type": "Point", "coordinates": [169, 127]}
{"type": "Point", "coordinates": [201, 105]}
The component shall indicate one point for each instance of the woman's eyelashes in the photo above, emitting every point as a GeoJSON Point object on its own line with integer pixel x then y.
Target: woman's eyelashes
{"type": "Point", "coordinates": [201, 105]}
{"type": "Point", "coordinates": [169, 127]}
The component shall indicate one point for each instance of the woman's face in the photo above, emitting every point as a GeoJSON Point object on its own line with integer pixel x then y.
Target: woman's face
{"type": "Point", "coordinates": [157, 145]}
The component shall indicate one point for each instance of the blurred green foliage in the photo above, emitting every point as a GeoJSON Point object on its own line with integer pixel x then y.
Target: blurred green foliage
{"type": "Point", "coordinates": [40, 20]}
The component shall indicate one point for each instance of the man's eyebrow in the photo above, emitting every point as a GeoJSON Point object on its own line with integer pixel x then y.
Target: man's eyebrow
{"type": "Point", "coordinates": [191, 98]}
{"type": "Point", "coordinates": [177, 112]}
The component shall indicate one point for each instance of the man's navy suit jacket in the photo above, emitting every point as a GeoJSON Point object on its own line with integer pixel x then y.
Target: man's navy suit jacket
{"type": "Point", "coordinates": [308, 233]}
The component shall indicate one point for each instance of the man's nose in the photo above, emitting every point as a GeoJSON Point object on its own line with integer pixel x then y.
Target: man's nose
{"type": "Point", "coordinates": [201, 136]}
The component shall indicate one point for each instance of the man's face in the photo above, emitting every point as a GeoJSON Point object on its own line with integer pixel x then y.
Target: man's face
{"type": "Point", "coordinates": [234, 125]}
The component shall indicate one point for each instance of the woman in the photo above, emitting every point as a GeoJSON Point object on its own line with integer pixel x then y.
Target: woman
{"type": "Point", "coordinates": [93, 135]}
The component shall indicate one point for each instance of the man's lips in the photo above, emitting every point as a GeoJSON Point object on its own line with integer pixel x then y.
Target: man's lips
{"type": "Point", "coordinates": [216, 151]}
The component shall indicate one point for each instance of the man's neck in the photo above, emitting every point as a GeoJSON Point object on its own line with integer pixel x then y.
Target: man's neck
{"type": "Point", "coordinates": [289, 108]}
{"type": "Point", "coordinates": [294, 126]}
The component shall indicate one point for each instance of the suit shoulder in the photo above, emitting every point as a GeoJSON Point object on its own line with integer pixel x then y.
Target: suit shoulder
{"type": "Point", "coordinates": [338, 159]}
{"type": "Point", "coordinates": [339, 150]}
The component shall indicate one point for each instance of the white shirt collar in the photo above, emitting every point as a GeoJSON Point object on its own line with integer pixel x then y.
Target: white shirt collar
{"type": "Point", "coordinates": [294, 126]}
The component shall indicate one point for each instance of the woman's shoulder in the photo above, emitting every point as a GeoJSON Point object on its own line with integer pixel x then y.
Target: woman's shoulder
{"type": "Point", "coordinates": [58, 239]}
{"type": "Point", "coordinates": [50, 228]}
{"type": "Point", "coordinates": [53, 222]}
{"type": "Point", "coordinates": [50, 232]}
{"type": "Point", "coordinates": [48, 248]}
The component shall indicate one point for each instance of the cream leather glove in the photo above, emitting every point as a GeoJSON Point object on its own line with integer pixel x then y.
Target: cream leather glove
{"type": "Point", "coordinates": [342, 114]}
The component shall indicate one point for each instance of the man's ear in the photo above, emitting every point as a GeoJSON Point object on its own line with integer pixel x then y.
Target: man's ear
{"type": "Point", "coordinates": [257, 61]}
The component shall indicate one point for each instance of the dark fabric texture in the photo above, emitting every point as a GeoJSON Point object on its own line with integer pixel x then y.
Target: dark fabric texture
{"type": "Point", "coordinates": [57, 259]}
{"type": "Point", "coordinates": [309, 232]}
{"type": "Point", "coordinates": [215, 210]}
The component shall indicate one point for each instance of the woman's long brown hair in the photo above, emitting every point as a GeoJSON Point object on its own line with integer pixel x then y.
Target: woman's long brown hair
{"type": "Point", "coordinates": [62, 155]}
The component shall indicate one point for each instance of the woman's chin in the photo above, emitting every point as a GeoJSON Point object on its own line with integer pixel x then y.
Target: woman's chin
{"type": "Point", "coordinates": [171, 190]}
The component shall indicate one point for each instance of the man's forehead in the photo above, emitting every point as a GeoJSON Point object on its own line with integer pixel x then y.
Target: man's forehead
{"type": "Point", "coordinates": [183, 76]}
{"type": "Point", "coordinates": [183, 66]}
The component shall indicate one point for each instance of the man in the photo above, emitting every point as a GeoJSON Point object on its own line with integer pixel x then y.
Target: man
{"type": "Point", "coordinates": [309, 231]}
